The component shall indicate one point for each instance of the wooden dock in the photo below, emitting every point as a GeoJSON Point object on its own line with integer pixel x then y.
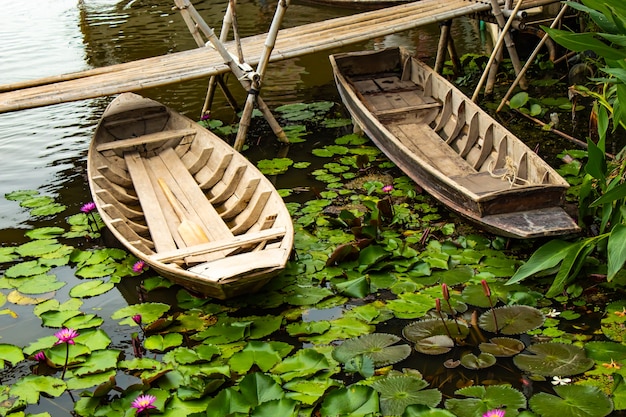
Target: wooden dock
{"type": "Point", "coordinates": [204, 62]}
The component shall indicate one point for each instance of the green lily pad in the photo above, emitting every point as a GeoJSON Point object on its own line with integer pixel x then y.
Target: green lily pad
{"type": "Point", "coordinates": [434, 345]}
{"type": "Point", "coordinates": [422, 329]}
{"type": "Point", "coordinates": [91, 288]}
{"type": "Point", "coordinates": [572, 400]}
{"type": "Point", "coordinates": [44, 232]}
{"type": "Point", "coordinates": [26, 269]}
{"type": "Point", "coordinates": [355, 400]}
{"type": "Point", "coordinates": [161, 343]}
{"type": "Point", "coordinates": [39, 284]}
{"type": "Point", "coordinates": [502, 346]}
{"type": "Point", "coordinates": [550, 359]}
{"type": "Point", "coordinates": [484, 360]}
{"type": "Point", "coordinates": [398, 392]}
{"type": "Point", "coordinates": [484, 398]}
{"type": "Point", "coordinates": [10, 353]}
{"type": "Point", "coordinates": [376, 346]}
{"type": "Point", "coordinates": [509, 320]}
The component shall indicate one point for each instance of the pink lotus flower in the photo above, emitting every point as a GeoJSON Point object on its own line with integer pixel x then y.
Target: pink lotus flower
{"type": "Point", "coordinates": [66, 335]}
{"type": "Point", "coordinates": [388, 188]}
{"type": "Point", "coordinates": [88, 207]}
{"type": "Point", "coordinates": [139, 266]}
{"type": "Point", "coordinates": [137, 318]}
{"type": "Point", "coordinates": [495, 413]}
{"type": "Point", "coordinates": [40, 356]}
{"type": "Point", "coordinates": [143, 402]}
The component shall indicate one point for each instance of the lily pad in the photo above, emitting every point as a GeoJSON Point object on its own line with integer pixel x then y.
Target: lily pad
{"type": "Point", "coordinates": [502, 346]}
{"type": "Point", "coordinates": [422, 329]}
{"type": "Point", "coordinates": [572, 400]}
{"type": "Point", "coordinates": [481, 399]}
{"type": "Point", "coordinates": [509, 320]}
{"type": "Point", "coordinates": [376, 346]}
{"type": "Point", "coordinates": [554, 359]}
{"type": "Point", "coordinates": [484, 360]}
{"type": "Point", "coordinates": [398, 392]}
{"type": "Point", "coordinates": [434, 345]}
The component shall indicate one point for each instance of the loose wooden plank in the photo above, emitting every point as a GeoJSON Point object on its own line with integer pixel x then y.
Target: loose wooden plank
{"type": "Point", "coordinates": [159, 230]}
{"type": "Point", "coordinates": [193, 199]}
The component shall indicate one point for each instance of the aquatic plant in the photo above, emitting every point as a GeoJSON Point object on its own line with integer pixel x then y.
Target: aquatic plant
{"type": "Point", "coordinates": [321, 338]}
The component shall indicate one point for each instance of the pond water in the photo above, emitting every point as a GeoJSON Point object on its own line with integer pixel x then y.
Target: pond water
{"type": "Point", "coordinates": [45, 149]}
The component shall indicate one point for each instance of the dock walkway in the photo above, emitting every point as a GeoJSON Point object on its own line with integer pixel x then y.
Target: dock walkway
{"type": "Point", "coordinates": [204, 62]}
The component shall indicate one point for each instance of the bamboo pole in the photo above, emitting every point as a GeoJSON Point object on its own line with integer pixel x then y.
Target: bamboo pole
{"type": "Point", "coordinates": [253, 92]}
{"type": "Point", "coordinates": [244, 72]}
{"type": "Point", "coordinates": [217, 79]}
{"type": "Point", "coordinates": [441, 47]}
{"type": "Point", "coordinates": [531, 58]}
{"type": "Point", "coordinates": [504, 35]}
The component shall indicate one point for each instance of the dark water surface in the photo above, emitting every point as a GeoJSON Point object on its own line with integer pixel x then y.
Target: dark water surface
{"type": "Point", "coordinates": [45, 149]}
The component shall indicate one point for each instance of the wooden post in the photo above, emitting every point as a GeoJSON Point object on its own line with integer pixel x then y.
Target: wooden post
{"type": "Point", "coordinates": [244, 72]}
{"type": "Point", "coordinates": [532, 57]}
{"type": "Point", "coordinates": [253, 92]}
{"type": "Point", "coordinates": [441, 47]}
{"type": "Point", "coordinates": [503, 35]}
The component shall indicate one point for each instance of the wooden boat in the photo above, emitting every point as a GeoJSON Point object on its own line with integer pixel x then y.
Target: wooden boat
{"type": "Point", "coordinates": [450, 146]}
{"type": "Point", "coordinates": [183, 201]}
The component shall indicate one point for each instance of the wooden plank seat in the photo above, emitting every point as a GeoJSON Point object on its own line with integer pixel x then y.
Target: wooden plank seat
{"type": "Point", "coordinates": [125, 145]}
{"type": "Point", "coordinates": [232, 266]}
{"type": "Point", "coordinates": [234, 243]}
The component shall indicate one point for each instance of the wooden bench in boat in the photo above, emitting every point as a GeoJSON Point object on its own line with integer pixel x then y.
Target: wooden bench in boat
{"type": "Point", "coordinates": [234, 243]}
{"type": "Point", "coordinates": [125, 145]}
{"type": "Point", "coordinates": [234, 265]}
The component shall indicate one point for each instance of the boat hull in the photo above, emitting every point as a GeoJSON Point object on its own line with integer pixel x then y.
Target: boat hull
{"type": "Point", "coordinates": [449, 146]}
{"type": "Point", "coordinates": [183, 201]}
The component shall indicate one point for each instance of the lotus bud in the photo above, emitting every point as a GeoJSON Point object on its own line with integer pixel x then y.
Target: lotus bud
{"type": "Point", "coordinates": [438, 305]}
{"type": "Point", "coordinates": [445, 291]}
{"type": "Point", "coordinates": [486, 288]}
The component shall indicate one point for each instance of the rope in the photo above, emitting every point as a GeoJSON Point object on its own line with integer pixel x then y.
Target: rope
{"type": "Point", "coordinates": [509, 174]}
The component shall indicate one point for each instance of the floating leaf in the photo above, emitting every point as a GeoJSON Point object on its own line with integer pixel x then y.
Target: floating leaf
{"type": "Point", "coordinates": [516, 319]}
{"type": "Point", "coordinates": [355, 400]}
{"type": "Point", "coordinates": [605, 351]}
{"type": "Point", "coordinates": [10, 353]}
{"type": "Point", "coordinates": [396, 393]}
{"type": "Point", "coordinates": [96, 271]}
{"type": "Point", "coordinates": [304, 363]}
{"type": "Point", "coordinates": [422, 329]}
{"type": "Point", "coordinates": [18, 298]}
{"type": "Point", "coordinates": [484, 360]}
{"type": "Point", "coordinates": [91, 288]}
{"type": "Point", "coordinates": [26, 269]}
{"type": "Point", "coordinates": [308, 327]}
{"type": "Point", "coordinates": [161, 343]}
{"type": "Point", "coordinates": [39, 284]}
{"type": "Point", "coordinates": [572, 400]}
{"type": "Point", "coordinates": [376, 346]}
{"type": "Point", "coordinates": [21, 195]}
{"type": "Point", "coordinates": [258, 388]}
{"type": "Point", "coordinates": [45, 232]}
{"type": "Point", "coordinates": [434, 345]}
{"type": "Point", "coordinates": [263, 354]}
{"type": "Point", "coordinates": [554, 359]}
{"type": "Point", "coordinates": [502, 346]}
{"type": "Point", "coordinates": [7, 255]}
{"type": "Point", "coordinates": [149, 312]}
{"type": "Point", "coordinates": [484, 398]}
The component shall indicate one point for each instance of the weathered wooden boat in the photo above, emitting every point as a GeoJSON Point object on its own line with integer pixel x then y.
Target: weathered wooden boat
{"type": "Point", "coordinates": [185, 202]}
{"type": "Point", "coordinates": [450, 146]}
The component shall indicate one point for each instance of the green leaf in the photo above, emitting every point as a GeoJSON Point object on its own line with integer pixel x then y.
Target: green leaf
{"type": "Point", "coordinates": [355, 400]}
{"type": "Point", "coordinates": [161, 343]}
{"type": "Point", "coordinates": [91, 289]}
{"type": "Point", "coordinates": [484, 398]}
{"type": "Point", "coordinates": [31, 386]}
{"type": "Point", "coordinates": [550, 359]}
{"type": "Point", "coordinates": [518, 100]}
{"type": "Point", "coordinates": [572, 400]}
{"type": "Point", "coordinates": [263, 354]}
{"type": "Point", "coordinates": [10, 353]}
{"type": "Point", "coordinates": [615, 193]}
{"type": "Point", "coordinates": [616, 250]}
{"type": "Point", "coordinates": [376, 346]}
{"type": "Point", "coordinates": [26, 269]}
{"type": "Point", "coordinates": [396, 393]}
{"type": "Point", "coordinates": [304, 363]}
{"type": "Point", "coordinates": [571, 265]}
{"type": "Point", "coordinates": [546, 257]}
{"type": "Point", "coordinates": [258, 388]}
{"type": "Point", "coordinates": [580, 42]}
{"type": "Point", "coordinates": [355, 288]}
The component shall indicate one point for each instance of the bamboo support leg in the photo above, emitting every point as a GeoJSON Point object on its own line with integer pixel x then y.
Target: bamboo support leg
{"type": "Point", "coordinates": [508, 40]}
{"type": "Point", "coordinates": [532, 57]}
{"type": "Point", "coordinates": [441, 47]}
{"type": "Point", "coordinates": [457, 67]}
{"type": "Point", "coordinates": [493, 72]}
